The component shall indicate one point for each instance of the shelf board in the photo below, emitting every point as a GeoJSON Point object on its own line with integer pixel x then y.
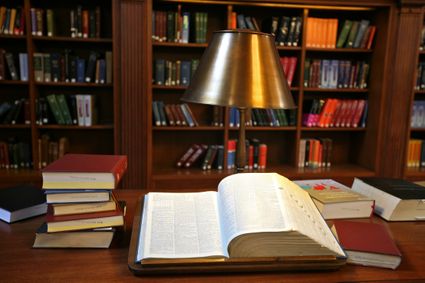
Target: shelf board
{"type": "Point", "coordinates": [416, 172]}
{"type": "Point", "coordinates": [340, 50]}
{"type": "Point", "coordinates": [71, 39]}
{"type": "Point", "coordinates": [339, 129]}
{"type": "Point", "coordinates": [16, 126]}
{"type": "Point", "coordinates": [187, 128]}
{"type": "Point", "coordinates": [66, 84]}
{"type": "Point", "coordinates": [12, 36]}
{"type": "Point", "coordinates": [169, 87]}
{"type": "Point", "coordinates": [288, 48]}
{"type": "Point", "coordinates": [13, 177]}
{"type": "Point", "coordinates": [262, 128]}
{"type": "Point", "coordinates": [350, 90]}
{"type": "Point", "coordinates": [178, 44]}
{"type": "Point", "coordinates": [75, 127]}
{"type": "Point", "coordinates": [12, 82]}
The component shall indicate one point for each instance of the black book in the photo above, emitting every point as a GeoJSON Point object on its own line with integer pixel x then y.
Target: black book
{"type": "Point", "coordinates": [91, 67]}
{"type": "Point", "coordinates": [55, 69]}
{"type": "Point", "coordinates": [10, 62]}
{"type": "Point", "coordinates": [395, 199]}
{"type": "Point", "coordinates": [21, 202]}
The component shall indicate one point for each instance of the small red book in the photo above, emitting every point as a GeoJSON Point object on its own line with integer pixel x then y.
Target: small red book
{"type": "Point", "coordinates": [367, 243]}
{"type": "Point", "coordinates": [85, 171]}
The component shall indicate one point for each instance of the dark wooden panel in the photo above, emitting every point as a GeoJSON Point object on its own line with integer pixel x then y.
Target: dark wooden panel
{"type": "Point", "coordinates": [133, 90]}
{"type": "Point", "coordinates": [398, 100]}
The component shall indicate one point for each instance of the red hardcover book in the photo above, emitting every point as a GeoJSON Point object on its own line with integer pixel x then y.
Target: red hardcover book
{"type": "Point", "coordinates": [292, 64]}
{"type": "Point", "coordinates": [84, 221]}
{"type": "Point", "coordinates": [371, 36]}
{"type": "Point", "coordinates": [85, 171]}
{"type": "Point", "coordinates": [262, 156]}
{"type": "Point", "coordinates": [367, 243]}
{"type": "Point", "coordinates": [187, 154]}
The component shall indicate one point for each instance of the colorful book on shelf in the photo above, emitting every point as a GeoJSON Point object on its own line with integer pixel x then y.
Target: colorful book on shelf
{"type": "Point", "coordinates": [367, 243]}
{"type": "Point", "coordinates": [21, 202]}
{"type": "Point", "coordinates": [272, 196]}
{"type": "Point", "coordinates": [335, 200]}
{"type": "Point", "coordinates": [395, 199]}
{"type": "Point", "coordinates": [87, 171]}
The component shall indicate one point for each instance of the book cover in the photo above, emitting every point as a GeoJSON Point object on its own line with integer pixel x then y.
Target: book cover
{"type": "Point", "coordinates": [85, 171]}
{"type": "Point", "coordinates": [367, 243]}
{"type": "Point", "coordinates": [395, 199]}
{"type": "Point", "coordinates": [21, 202]}
{"type": "Point", "coordinates": [335, 200]}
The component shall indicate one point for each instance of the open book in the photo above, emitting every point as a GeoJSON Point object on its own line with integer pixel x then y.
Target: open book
{"type": "Point", "coordinates": [251, 215]}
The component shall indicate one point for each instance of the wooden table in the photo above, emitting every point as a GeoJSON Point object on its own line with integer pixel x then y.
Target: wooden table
{"type": "Point", "coordinates": [20, 263]}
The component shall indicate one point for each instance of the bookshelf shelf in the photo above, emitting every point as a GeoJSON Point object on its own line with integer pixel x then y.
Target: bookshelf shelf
{"type": "Point", "coordinates": [341, 129]}
{"type": "Point", "coordinates": [71, 85]}
{"type": "Point", "coordinates": [72, 39]}
{"type": "Point", "coordinates": [62, 127]}
{"type": "Point", "coordinates": [339, 50]}
{"type": "Point", "coordinates": [177, 44]}
{"type": "Point", "coordinates": [47, 57]}
{"type": "Point", "coordinates": [342, 90]}
{"type": "Point", "coordinates": [186, 128]}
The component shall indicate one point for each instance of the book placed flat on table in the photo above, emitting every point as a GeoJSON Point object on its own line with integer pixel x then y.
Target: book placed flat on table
{"type": "Point", "coordinates": [94, 238]}
{"type": "Point", "coordinates": [77, 196]}
{"type": "Point", "coordinates": [336, 201]}
{"type": "Point", "coordinates": [84, 171]}
{"type": "Point", "coordinates": [395, 199]}
{"type": "Point", "coordinates": [252, 215]}
{"type": "Point", "coordinates": [21, 202]}
{"type": "Point", "coordinates": [367, 243]}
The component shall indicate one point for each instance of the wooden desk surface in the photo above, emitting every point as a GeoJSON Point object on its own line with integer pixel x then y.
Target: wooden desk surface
{"type": "Point", "coordinates": [20, 263]}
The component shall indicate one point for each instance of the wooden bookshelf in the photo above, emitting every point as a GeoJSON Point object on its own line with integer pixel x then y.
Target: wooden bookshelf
{"type": "Point", "coordinates": [101, 137]}
{"type": "Point", "coordinates": [356, 151]}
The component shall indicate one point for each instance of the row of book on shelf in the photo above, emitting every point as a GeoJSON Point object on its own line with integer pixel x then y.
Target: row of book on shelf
{"type": "Point", "coordinates": [416, 153]}
{"type": "Point", "coordinates": [17, 154]}
{"type": "Point", "coordinates": [179, 72]}
{"type": "Point", "coordinates": [209, 157]}
{"type": "Point", "coordinates": [78, 109]}
{"type": "Point", "coordinates": [264, 117]}
{"type": "Point", "coordinates": [315, 153]}
{"type": "Point", "coordinates": [336, 113]}
{"type": "Point", "coordinates": [364, 242]}
{"type": "Point", "coordinates": [324, 73]}
{"type": "Point", "coordinates": [179, 26]}
{"type": "Point", "coordinates": [57, 67]}
{"type": "Point", "coordinates": [83, 22]}
{"type": "Point", "coordinates": [323, 33]}
{"type": "Point", "coordinates": [12, 20]}
{"type": "Point", "coordinates": [174, 73]}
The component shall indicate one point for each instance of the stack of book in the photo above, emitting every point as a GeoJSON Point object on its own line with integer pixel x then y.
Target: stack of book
{"type": "Point", "coordinates": [82, 209]}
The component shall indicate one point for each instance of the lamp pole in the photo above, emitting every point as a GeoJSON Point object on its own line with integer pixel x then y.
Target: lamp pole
{"type": "Point", "coordinates": [241, 147]}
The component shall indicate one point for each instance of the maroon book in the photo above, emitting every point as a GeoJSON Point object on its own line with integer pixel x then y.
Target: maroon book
{"type": "Point", "coordinates": [367, 243]}
{"type": "Point", "coordinates": [84, 171]}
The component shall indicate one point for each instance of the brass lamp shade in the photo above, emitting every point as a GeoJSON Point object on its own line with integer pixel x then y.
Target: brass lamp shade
{"type": "Point", "coordinates": [240, 68]}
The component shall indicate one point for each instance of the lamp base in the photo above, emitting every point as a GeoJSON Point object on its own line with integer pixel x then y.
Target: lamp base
{"type": "Point", "coordinates": [241, 148]}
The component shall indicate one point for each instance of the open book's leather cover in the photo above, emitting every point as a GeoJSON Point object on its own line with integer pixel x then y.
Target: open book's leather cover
{"type": "Point", "coordinates": [205, 265]}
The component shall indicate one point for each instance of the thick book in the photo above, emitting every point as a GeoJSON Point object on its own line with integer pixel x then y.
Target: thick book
{"type": "Point", "coordinates": [252, 215]}
{"type": "Point", "coordinates": [21, 202]}
{"type": "Point", "coordinates": [91, 238]}
{"type": "Point", "coordinates": [334, 200]}
{"type": "Point", "coordinates": [367, 243]}
{"type": "Point", "coordinates": [85, 171]}
{"type": "Point", "coordinates": [395, 199]}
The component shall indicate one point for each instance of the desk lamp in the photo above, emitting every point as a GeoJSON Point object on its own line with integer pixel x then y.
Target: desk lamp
{"type": "Point", "coordinates": [240, 68]}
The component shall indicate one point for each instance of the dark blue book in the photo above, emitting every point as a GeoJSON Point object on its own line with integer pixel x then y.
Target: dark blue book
{"type": "Point", "coordinates": [55, 70]}
{"type": "Point", "coordinates": [81, 67]}
{"type": "Point", "coordinates": [91, 67]}
{"type": "Point", "coordinates": [21, 202]}
{"type": "Point", "coordinates": [159, 71]}
{"type": "Point", "coordinates": [186, 67]}
{"type": "Point", "coordinates": [102, 71]}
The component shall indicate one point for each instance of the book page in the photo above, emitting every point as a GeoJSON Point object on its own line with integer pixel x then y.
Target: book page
{"type": "Point", "coordinates": [183, 225]}
{"type": "Point", "coordinates": [249, 203]}
{"type": "Point", "coordinates": [308, 220]}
